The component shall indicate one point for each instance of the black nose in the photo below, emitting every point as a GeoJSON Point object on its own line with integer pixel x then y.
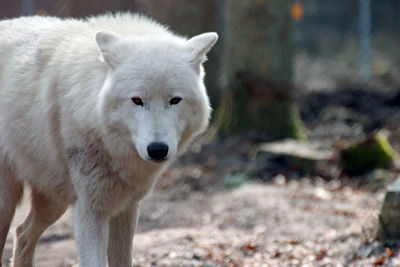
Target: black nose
{"type": "Point", "coordinates": [157, 151]}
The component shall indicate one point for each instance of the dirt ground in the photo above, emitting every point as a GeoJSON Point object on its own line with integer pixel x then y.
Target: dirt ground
{"type": "Point", "coordinates": [297, 223]}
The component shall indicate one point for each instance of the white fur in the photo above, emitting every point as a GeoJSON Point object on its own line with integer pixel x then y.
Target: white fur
{"type": "Point", "coordinates": [69, 129]}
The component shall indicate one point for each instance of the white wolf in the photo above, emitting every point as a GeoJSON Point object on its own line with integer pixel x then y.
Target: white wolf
{"type": "Point", "coordinates": [91, 112]}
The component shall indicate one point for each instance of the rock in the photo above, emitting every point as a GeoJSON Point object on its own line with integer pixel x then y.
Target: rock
{"type": "Point", "coordinates": [389, 219]}
{"type": "Point", "coordinates": [292, 156]}
{"type": "Point", "coordinates": [298, 149]}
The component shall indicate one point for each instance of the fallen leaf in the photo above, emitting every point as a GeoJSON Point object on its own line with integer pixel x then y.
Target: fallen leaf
{"type": "Point", "coordinates": [380, 261]}
{"type": "Point", "coordinates": [389, 252]}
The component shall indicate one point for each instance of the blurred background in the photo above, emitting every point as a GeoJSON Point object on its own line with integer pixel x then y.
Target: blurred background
{"type": "Point", "coordinates": [302, 145]}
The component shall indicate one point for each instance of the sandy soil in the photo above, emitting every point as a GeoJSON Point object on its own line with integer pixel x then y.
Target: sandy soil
{"type": "Point", "coordinates": [297, 223]}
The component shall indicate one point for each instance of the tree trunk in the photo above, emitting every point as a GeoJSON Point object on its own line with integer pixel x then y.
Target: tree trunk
{"type": "Point", "coordinates": [259, 71]}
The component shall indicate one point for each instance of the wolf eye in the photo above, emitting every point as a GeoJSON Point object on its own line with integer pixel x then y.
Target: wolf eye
{"type": "Point", "coordinates": [175, 100]}
{"type": "Point", "coordinates": [137, 101]}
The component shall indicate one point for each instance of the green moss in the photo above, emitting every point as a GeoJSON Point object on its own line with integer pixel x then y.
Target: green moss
{"type": "Point", "coordinates": [253, 107]}
{"type": "Point", "coordinates": [284, 121]}
{"type": "Point", "coordinates": [374, 153]}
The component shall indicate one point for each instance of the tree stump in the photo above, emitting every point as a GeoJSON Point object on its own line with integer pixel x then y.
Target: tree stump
{"type": "Point", "coordinates": [389, 219]}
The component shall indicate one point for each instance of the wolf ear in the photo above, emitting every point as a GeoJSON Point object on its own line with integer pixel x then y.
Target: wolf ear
{"type": "Point", "coordinates": [106, 41]}
{"type": "Point", "coordinates": [200, 45]}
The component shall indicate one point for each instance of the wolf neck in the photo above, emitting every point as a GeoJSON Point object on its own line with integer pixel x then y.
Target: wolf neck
{"type": "Point", "coordinates": [132, 169]}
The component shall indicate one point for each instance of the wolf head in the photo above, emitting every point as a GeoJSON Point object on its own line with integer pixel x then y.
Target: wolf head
{"type": "Point", "coordinates": [154, 96]}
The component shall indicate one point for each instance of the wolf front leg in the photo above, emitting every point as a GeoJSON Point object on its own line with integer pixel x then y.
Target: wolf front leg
{"type": "Point", "coordinates": [122, 229]}
{"type": "Point", "coordinates": [91, 235]}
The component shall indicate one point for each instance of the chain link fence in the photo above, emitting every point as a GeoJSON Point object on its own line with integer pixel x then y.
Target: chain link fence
{"type": "Point", "coordinates": [347, 67]}
{"type": "Point", "coordinates": [358, 35]}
